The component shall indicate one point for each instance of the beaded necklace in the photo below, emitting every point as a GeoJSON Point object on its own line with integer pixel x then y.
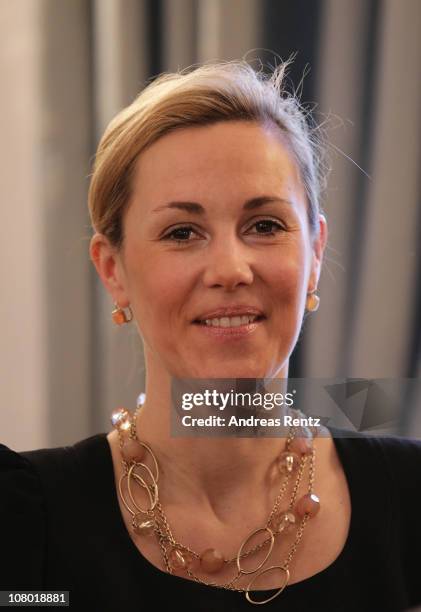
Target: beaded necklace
{"type": "Point", "coordinates": [177, 557]}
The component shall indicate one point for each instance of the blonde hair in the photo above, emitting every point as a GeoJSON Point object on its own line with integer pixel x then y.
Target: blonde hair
{"type": "Point", "coordinates": [213, 92]}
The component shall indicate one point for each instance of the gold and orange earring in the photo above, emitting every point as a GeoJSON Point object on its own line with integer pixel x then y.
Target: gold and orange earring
{"type": "Point", "coordinates": [119, 315]}
{"type": "Point", "coordinates": [312, 302]}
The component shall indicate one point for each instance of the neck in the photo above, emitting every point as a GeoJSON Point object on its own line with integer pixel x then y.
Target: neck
{"type": "Point", "coordinates": [212, 473]}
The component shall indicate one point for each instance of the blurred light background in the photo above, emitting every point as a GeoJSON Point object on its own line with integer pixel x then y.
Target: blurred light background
{"type": "Point", "coordinates": [67, 66]}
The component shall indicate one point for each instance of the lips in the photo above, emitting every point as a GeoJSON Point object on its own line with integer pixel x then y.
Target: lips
{"type": "Point", "coordinates": [230, 311]}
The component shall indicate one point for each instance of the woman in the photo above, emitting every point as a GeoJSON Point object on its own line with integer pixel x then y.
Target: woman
{"type": "Point", "coordinates": [209, 237]}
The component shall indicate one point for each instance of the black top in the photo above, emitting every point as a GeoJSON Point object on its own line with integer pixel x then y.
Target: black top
{"type": "Point", "coordinates": [61, 528]}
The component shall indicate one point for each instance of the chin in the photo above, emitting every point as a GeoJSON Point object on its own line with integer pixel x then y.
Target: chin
{"type": "Point", "coordinates": [221, 371]}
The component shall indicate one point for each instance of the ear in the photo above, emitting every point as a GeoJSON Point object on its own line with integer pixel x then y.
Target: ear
{"type": "Point", "coordinates": [109, 265]}
{"type": "Point", "coordinates": [319, 245]}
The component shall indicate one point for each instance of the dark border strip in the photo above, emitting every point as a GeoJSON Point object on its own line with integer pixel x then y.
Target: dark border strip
{"type": "Point", "coordinates": [411, 401]}
{"type": "Point", "coordinates": [154, 21]}
{"type": "Point", "coordinates": [358, 227]}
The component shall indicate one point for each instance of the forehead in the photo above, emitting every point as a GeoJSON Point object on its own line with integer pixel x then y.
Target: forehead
{"type": "Point", "coordinates": [237, 157]}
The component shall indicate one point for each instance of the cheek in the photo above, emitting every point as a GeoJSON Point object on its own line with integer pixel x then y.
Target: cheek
{"type": "Point", "coordinates": [287, 276]}
{"type": "Point", "coordinates": [157, 289]}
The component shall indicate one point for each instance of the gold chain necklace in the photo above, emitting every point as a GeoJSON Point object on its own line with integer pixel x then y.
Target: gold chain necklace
{"type": "Point", "coordinates": [176, 556]}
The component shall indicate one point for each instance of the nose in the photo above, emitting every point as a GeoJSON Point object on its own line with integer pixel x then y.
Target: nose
{"type": "Point", "coordinates": [227, 264]}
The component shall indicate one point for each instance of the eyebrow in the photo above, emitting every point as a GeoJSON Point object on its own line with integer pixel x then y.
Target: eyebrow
{"type": "Point", "coordinates": [196, 208]}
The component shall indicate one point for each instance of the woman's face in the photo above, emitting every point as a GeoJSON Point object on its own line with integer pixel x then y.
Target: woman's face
{"type": "Point", "coordinates": [218, 219]}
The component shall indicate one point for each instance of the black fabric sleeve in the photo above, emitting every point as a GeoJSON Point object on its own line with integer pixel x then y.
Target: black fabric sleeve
{"type": "Point", "coordinates": [403, 461]}
{"type": "Point", "coordinates": [22, 523]}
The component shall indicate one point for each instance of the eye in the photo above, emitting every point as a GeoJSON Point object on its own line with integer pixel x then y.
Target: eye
{"type": "Point", "coordinates": [267, 226]}
{"type": "Point", "coordinates": [179, 234]}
